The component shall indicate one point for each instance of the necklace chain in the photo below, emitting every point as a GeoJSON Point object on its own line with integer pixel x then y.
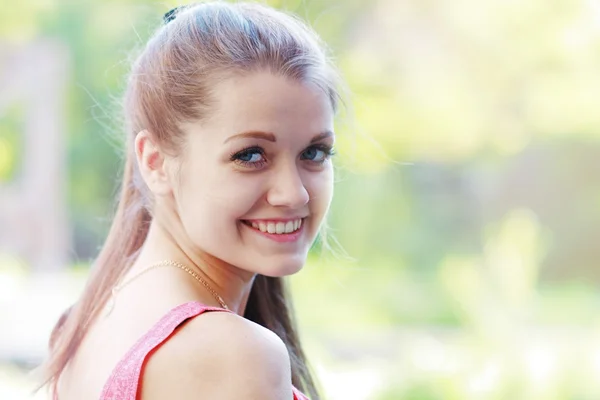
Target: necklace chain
{"type": "Point", "coordinates": [165, 263]}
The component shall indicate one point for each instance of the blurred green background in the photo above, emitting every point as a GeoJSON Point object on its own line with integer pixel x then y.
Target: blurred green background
{"type": "Point", "coordinates": [467, 207]}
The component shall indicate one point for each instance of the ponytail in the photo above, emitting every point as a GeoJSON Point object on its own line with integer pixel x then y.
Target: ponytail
{"type": "Point", "coordinates": [126, 236]}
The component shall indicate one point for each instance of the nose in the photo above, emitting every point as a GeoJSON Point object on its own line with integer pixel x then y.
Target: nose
{"type": "Point", "coordinates": [287, 189]}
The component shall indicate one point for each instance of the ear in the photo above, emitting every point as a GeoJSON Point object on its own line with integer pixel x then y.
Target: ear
{"type": "Point", "coordinates": [152, 162]}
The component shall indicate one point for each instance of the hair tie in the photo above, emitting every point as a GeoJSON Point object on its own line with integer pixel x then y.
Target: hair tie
{"type": "Point", "coordinates": [171, 14]}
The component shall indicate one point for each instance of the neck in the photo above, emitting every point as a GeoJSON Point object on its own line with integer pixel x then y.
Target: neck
{"type": "Point", "coordinates": [230, 282]}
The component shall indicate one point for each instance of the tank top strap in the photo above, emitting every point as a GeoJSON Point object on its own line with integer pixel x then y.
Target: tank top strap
{"type": "Point", "coordinates": [298, 395]}
{"type": "Point", "coordinates": [124, 380]}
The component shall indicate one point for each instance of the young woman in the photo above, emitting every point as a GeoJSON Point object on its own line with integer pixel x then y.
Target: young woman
{"type": "Point", "coordinates": [228, 177]}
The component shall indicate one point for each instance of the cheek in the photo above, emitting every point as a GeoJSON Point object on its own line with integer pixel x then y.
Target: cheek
{"type": "Point", "coordinates": [320, 189]}
{"type": "Point", "coordinates": [236, 195]}
{"type": "Point", "coordinates": [209, 222]}
{"type": "Point", "coordinates": [210, 207]}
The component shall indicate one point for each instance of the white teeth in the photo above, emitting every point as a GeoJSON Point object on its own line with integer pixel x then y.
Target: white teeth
{"type": "Point", "coordinates": [289, 227]}
{"type": "Point", "coordinates": [277, 227]}
{"type": "Point", "coordinates": [280, 228]}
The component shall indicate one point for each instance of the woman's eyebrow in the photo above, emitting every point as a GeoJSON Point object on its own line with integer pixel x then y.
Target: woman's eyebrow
{"type": "Point", "coordinates": [271, 137]}
{"type": "Point", "coordinates": [253, 134]}
{"type": "Point", "coordinates": [321, 136]}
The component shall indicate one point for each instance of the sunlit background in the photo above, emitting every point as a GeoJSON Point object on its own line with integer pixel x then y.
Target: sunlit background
{"type": "Point", "coordinates": [467, 209]}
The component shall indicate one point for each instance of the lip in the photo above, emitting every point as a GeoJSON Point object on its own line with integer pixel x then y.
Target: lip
{"type": "Point", "coordinates": [274, 219]}
{"type": "Point", "coordinates": [279, 238]}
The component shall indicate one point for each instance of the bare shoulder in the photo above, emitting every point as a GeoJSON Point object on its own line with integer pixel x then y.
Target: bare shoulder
{"type": "Point", "coordinates": [219, 355]}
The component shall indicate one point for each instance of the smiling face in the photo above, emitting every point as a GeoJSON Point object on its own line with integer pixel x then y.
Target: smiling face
{"type": "Point", "coordinates": [256, 178]}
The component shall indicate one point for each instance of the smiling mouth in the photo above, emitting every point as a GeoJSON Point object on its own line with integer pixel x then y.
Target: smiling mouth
{"type": "Point", "coordinates": [276, 227]}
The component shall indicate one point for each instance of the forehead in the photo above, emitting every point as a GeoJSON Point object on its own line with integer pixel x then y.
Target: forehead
{"type": "Point", "coordinates": [272, 103]}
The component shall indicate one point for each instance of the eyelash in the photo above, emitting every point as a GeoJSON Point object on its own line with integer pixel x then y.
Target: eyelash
{"type": "Point", "coordinates": [235, 157]}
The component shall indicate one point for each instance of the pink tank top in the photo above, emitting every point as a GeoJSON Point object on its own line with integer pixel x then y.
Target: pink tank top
{"type": "Point", "coordinates": [123, 383]}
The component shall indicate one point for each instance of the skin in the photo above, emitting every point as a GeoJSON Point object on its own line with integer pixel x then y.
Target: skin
{"type": "Point", "coordinates": [203, 200]}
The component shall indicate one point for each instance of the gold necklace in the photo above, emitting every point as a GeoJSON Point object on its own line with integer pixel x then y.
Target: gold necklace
{"type": "Point", "coordinates": [165, 263]}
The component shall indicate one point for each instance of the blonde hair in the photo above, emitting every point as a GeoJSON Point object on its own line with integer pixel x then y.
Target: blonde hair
{"type": "Point", "coordinates": [171, 83]}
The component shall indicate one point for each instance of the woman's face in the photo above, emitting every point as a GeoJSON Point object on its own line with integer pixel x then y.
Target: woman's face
{"type": "Point", "coordinates": [256, 178]}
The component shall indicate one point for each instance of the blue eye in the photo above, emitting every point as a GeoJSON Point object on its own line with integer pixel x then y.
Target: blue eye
{"type": "Point", "coordinates": [317, 154]}
{"type": "Point", "coordinates": [252, 157]}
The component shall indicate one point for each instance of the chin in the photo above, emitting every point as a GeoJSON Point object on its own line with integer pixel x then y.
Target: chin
{"type": "Point", "coordinates": [284, 267]}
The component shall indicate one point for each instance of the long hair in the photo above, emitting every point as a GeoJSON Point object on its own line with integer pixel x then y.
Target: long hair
{"type": "Point", "coordinates": [170, 83]}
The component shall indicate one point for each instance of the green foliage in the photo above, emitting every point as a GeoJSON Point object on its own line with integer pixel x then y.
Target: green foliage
{"type": "Point", "coordinates": [11, 147]}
